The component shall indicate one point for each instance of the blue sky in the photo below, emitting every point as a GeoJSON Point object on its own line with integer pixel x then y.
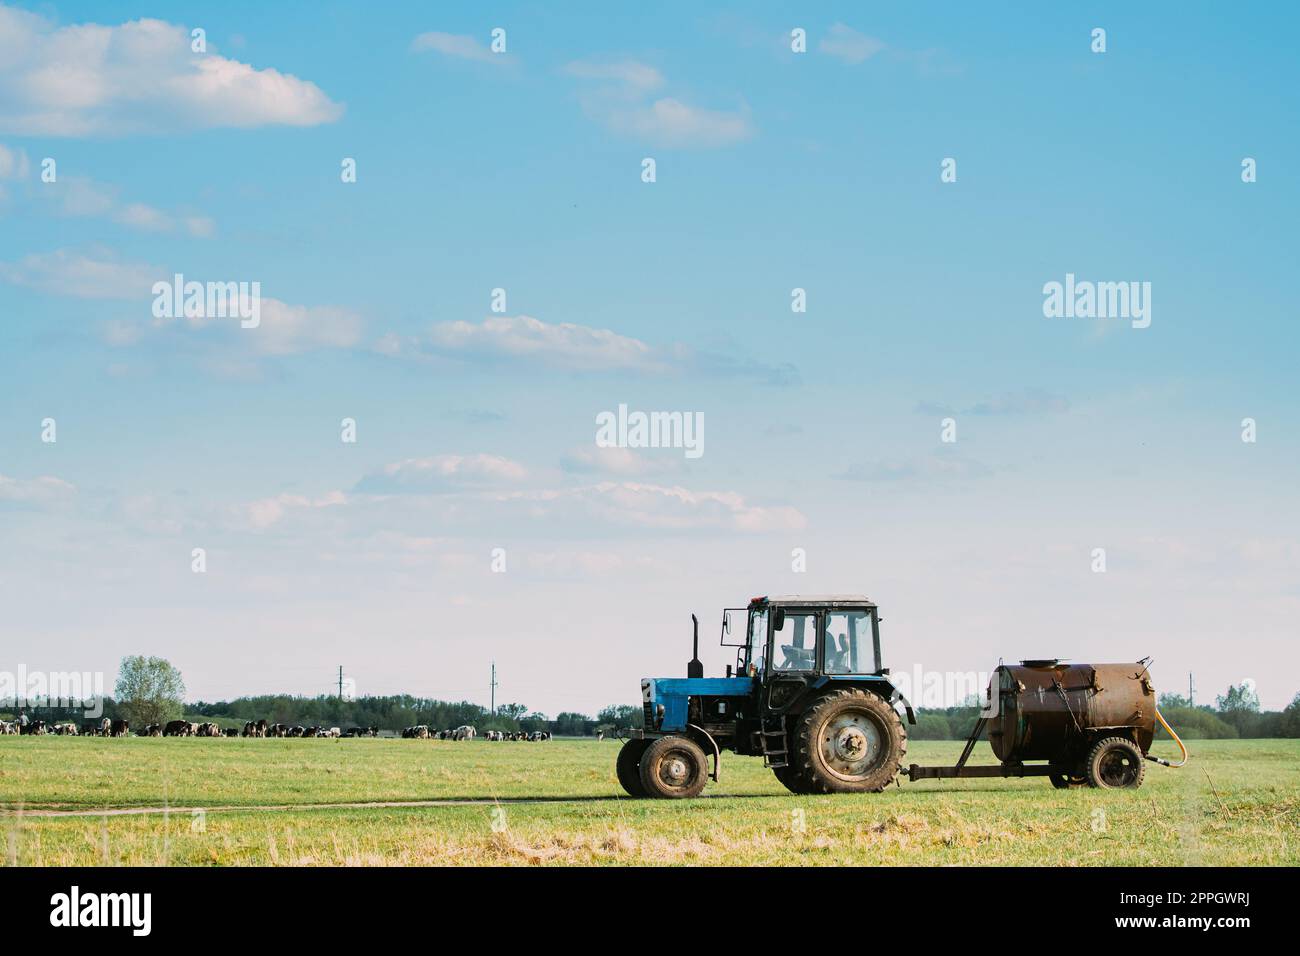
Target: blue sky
{"type": "Point", "coordinates": [522, 171]}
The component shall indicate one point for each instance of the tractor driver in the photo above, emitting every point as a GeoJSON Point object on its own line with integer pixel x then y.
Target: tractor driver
{"type": "Point", "coordinates": [837, 654]}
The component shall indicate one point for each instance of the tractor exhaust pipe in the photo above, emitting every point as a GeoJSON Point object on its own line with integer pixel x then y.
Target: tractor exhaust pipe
{"type": "Point", "coordinates": [695, 668]}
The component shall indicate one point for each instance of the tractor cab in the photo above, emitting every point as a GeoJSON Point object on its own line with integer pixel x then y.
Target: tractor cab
{"type": "Point", "coordinates": [797, 635]}
{"type": "Point", "coordinates": [795, 655]}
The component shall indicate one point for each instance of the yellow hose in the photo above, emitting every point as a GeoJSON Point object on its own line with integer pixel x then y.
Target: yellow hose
{"type": "Point", "coordinates": [1181, 746]}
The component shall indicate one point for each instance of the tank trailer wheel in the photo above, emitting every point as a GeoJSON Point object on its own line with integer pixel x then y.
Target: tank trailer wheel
{"type": "Point", "coordinates": [674, 767]}
{"type": "Point", "coordinates": [628, 766]}
{"type": "Point", "coordinates": [1115, 763]}
{"type": "Point", "coordinates": [849, 741]}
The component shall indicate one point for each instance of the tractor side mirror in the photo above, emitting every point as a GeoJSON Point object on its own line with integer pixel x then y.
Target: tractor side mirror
{"type": "Point", "coordinates": [778, 619]}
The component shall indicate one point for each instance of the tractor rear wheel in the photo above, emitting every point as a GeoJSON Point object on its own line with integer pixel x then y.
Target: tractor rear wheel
{"type": "Point", "coordinates": [674, 767]}
{"type": "Point", "coordinates": [1115, 764]}
{"type": "Point", "coordinates": [848, 741]}
{"type": "Point", "coordinates": [628, 766]}
{"type": "Point", "coordinates": [789, 779]}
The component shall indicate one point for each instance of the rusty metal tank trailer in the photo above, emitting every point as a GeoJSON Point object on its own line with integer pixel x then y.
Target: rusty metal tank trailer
{"type": "Point", "coordinates": [1088, 723]}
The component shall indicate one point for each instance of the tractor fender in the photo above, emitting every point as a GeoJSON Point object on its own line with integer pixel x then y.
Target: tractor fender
{"type": "Point", "coordinates": [877, 684]}
{"type": "Point", "coordinates": [709, 745]}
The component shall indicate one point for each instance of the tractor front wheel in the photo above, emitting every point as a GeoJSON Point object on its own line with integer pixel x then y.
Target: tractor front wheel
{"type": "Point", "coordinates": [674, 767]}
{"type": "Point", "coordinates": [628, 766]}
{"type": "Point", "coordinates": [849, 741]}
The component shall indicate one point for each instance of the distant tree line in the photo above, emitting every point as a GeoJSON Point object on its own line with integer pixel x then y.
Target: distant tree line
{"type": "Point", "coordinates": [396, 711]}
{"type": "Point", "coordinates": [150, 690]}
{"type": "Point", "coordinates": [1236, 714]}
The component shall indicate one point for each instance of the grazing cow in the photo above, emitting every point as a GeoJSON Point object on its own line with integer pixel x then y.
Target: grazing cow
{"type": "Point", "coordinates": [118, 728]}
{"type": "Point", "coordinates": [177, 728]}
{"type": "Point", "coordinates": [310, 732]}
{"type": "Point", "coordinates": [7, 728]}
{"type": "Point", "coordinates": [230, 732]}
{"type": "Point", "coordinates": [66, 730]}
{"type": "Point", "coordinates": [465, 732]}
{"type": "Point", "coordinates": [153, 730]}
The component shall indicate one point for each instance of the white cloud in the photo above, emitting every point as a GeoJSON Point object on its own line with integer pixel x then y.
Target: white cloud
{"type": "Point", "coordinates": [458, 45]}
{"type": "Point", "coordinates": [624, 462]}
{"type": "Point", "coordinates": [441, 473]}
{"type": "Point", "coordinates": [565, 344]}
{"type": "Point", "coordinates": [200, 227]}
{"type": "Point", "coordinates": [847, 44]}
{"type": "Point", "coordinates": [283, 329]}
{"type": "Point", "coordinates": [617, 96]}
{"type": "Point", "coordinates": [78, 196]}
{"type": "Point", "coordinates": [580, 348]}
{"type": "Point", "coordinates": [141, 216]}
{"type": "Point", "coordinates": [286, 328]}
{"type": "Point", "coordinates": [34, 492]}
{"type": "Point", "coordinates": [670, 122]}
{"type": "Point", "coordinates": [265, 512]}
{"type": "Point", "coordinates": [13, 163]}
{"type": "Point", "coordinates": [94, 274]}
{"type": "Point", "coordinates": [627, 73]}
{"type": "Point", "coordinates": [141, 76]}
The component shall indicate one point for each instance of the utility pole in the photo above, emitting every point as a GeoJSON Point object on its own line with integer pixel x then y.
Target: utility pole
{"type": "Point", "coordinates": [493, 687]}
{"type": "Point", "coordinates": [340, 682]}
{"type": "Point", "coordinates": [1191, 691]}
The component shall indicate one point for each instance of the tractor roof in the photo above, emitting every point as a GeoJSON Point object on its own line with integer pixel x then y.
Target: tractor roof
{"type": "Point", "coordinates": [818, 600]}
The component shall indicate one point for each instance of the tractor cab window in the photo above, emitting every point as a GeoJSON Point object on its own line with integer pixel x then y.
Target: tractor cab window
{"type": "Point", "coordinates": [794, 644]}
{"type": "Point", "coordinates": [849, 645]}
{"type": "Point", "coordinates": [756, 650]}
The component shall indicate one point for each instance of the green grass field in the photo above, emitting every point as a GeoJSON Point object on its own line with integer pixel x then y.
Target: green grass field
{"type": "Point", "coordinates": [1236, 804]}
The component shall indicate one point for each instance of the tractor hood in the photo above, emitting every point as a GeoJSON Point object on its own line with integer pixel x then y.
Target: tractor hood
{"type": "Point", "coordinates": [665, 699]}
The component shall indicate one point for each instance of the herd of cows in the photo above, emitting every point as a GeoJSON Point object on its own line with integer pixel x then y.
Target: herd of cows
{"type": "Point", "coordinates": [466, 732]}
{"type": "Point", "coordinates": [91, 728]}
{"type": "Point", "coordinates": [252, 728]}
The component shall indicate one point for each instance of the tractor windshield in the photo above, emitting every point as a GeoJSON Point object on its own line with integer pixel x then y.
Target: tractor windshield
{"type": "Point", "coordinates": [849, 645]}
{"type": "Point", "coordinates": [756, 648]}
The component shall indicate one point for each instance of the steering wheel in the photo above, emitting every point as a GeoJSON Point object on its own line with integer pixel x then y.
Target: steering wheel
{"type": "Point", "coordinates": [796, 657]}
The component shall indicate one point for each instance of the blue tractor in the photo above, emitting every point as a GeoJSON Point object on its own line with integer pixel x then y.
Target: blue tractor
{"type": "Point", "coordinates": [808, 694]}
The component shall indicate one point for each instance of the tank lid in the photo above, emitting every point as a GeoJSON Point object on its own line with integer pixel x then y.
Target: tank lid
{"type": "Point", "coordinates": [1042, 662]}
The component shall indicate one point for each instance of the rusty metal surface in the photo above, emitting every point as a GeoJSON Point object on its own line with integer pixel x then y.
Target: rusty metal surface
{"type": "Point", "coordinates": [1046, 707]}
